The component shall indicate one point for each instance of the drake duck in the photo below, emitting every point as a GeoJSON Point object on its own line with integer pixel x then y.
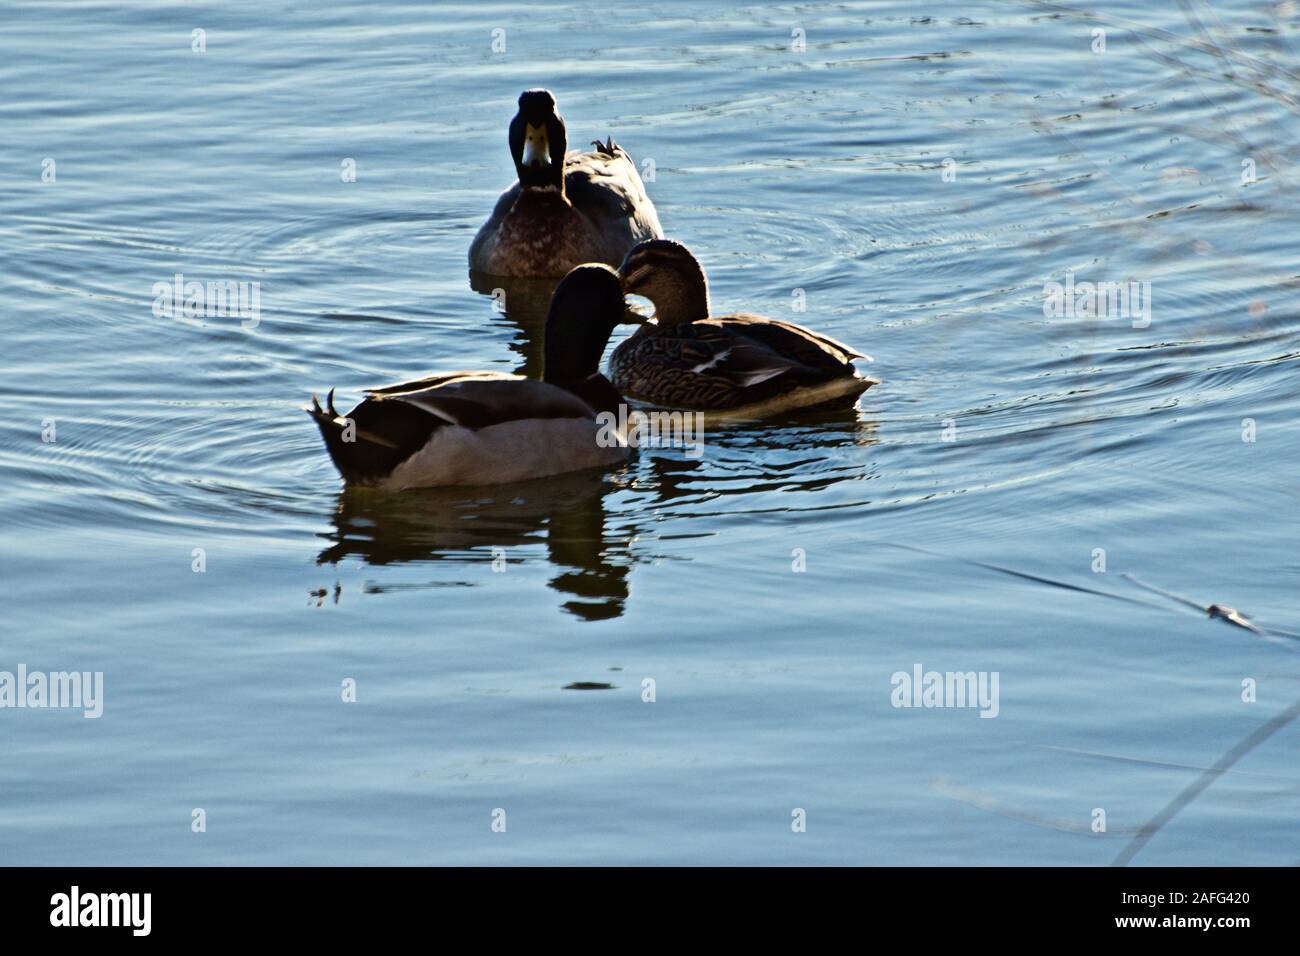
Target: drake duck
{"type": "Point", "coordinates": [478, 428]}
{"type": "Point", "coordinates": [566, 208]}
{"type": "Point", "coordinates": [742, 364]}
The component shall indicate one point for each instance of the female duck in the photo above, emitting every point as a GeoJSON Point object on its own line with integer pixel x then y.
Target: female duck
{"type": "Point", "coordinates": [477, 428]}
{"type": "Point", "coordinates": [743, 364]}
{"type": "Point", "coordinates": [566, 208]}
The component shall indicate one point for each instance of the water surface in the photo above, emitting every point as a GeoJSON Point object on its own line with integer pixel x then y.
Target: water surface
{"type": "Point", "coordinates": [466, 617]}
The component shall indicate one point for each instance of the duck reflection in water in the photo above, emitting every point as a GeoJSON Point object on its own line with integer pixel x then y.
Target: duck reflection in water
{"type": "Point", "coordinates": [803, 451]}
{"type": "Point", "coordinates": [469, 525]}
{"type": "Point", "coordinates": [591, 549]}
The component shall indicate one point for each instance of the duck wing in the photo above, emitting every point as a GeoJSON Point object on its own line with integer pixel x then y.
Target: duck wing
{"type": "Point", "coordinates": [605, 187]}
{"type": "Point", "coordinates": [786, 338]}
{"type": "Point", "coordinates": [703, 365]}
{"type": "Point", "coordinates": [478, 400]}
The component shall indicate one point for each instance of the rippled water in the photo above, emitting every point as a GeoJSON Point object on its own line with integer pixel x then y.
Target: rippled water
{"type": "Point", "coordinates": [822, 171]}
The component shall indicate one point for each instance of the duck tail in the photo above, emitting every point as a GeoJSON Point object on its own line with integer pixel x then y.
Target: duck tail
{"type": "Point", "coordinates": [343, 448]}
{"type": "Point", "coordinates": [364, 447]}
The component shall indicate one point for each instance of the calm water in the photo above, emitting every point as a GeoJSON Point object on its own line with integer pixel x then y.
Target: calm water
{"type": "Point", "coordinates": [822, 171]}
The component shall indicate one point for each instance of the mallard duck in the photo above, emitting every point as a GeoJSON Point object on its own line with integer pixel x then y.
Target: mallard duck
{"type": "Point", "coordinates": [566, 208]}
{"type": "Point", "coordinates": [477, 428]}
{"type": "Point", "coordinates": [742, 364]}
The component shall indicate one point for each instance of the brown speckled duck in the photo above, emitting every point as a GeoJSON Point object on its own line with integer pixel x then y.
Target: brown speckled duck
{"type": "Point", "coordinates": [481, 428]}
{"type": "Point", "coordinates": [566, 208]}
{"type": "Point", "coordinates": [741, 364]}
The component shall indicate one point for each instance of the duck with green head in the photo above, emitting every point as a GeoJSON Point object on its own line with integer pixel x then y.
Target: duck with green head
{"type": "Point", "coordinates": [566, 208]}
{"type": "Point", "coordinates": [481, 428]}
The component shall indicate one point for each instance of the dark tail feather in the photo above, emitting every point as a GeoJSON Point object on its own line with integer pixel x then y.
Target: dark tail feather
{"type": "Point", "coordinates": [366, 448]}
{"type": "Point", "coordinates": [349, 457]}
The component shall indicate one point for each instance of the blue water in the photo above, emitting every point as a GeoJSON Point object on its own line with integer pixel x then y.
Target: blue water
{"type": "Point", "coordinates": [822, 171]}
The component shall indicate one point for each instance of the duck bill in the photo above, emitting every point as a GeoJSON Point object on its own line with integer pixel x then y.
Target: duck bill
{"type": "Point", "coordinates": [537, 150]}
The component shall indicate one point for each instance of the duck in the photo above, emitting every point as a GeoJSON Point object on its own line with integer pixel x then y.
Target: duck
{"type": "Point", "coordinates": [742, 364]}
{"type": "Point", "coordinates": [483, 427]}
{"type": "Point", "coordinates": [566, 208]}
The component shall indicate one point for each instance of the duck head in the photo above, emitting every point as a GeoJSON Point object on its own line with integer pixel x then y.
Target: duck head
{"type": "Point", "coordinates": [666, 273]}
{"type": "Point", "coordinates": [586, 306]}
{"type": "Point", "coordinates": [538, 141]}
